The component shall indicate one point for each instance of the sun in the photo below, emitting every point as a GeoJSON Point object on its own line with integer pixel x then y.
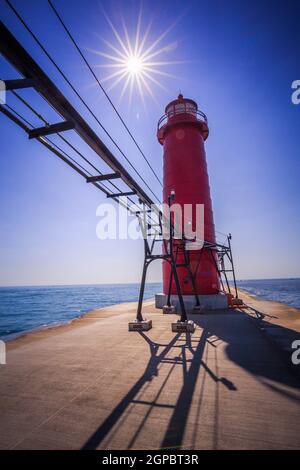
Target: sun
{"type": "Point", "coordinates": [135, 63]}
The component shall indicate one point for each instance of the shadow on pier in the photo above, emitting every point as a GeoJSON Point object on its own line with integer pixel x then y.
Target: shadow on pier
{"type": "Point", "coordinates": [244, 346]}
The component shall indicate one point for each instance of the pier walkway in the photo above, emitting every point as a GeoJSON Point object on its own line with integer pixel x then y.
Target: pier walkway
{"type": "Point", "coordinates": [93, 385]}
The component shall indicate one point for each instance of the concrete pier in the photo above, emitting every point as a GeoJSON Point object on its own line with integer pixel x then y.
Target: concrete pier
{"type": "Point", "coordinates": [93, 385]}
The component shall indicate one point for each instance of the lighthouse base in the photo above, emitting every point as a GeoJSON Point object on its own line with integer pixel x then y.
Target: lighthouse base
{"type": "Point", "coordinates": [207, 302]}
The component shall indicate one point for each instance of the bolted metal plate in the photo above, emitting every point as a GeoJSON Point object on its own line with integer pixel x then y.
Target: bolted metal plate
{"type": "Point", "coordinates": [144, 325]}
{"type": "Point", "coordinates": [168, 309]}
{"type": "Point", "coordinates": [183, 327]}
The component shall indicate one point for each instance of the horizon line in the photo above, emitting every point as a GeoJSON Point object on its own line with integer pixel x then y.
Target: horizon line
{"type": "Point", "coordinates": [137, 282]}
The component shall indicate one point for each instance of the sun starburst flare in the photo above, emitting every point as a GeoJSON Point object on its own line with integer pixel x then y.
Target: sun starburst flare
{"type": "Point", "coordinates": [135, 63]}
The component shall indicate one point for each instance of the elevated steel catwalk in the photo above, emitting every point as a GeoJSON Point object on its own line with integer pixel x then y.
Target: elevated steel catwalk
{"type": "Point", "coordinates": [35, 77]}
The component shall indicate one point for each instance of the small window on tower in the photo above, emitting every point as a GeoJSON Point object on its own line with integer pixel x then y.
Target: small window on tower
{"type": "Point", "coordinates": [179, 108]}
{"type": "Point", "coordinates": [191, 108]}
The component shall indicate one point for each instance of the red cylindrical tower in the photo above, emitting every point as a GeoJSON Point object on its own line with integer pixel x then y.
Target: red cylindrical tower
{"type": "Point", "coordinates": [182, 132]}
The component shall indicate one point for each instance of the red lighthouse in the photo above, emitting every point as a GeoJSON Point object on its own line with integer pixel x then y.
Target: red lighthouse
{"type": "Point", "coordinates": [182, 131]}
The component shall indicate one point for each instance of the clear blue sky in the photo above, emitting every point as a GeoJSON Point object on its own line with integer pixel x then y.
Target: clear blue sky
{"type": "Point", "coordinates": [240, 60]}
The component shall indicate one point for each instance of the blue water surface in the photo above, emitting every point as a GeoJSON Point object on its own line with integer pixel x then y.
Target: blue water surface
{"type": "Point", "coordinates": [286, 291]}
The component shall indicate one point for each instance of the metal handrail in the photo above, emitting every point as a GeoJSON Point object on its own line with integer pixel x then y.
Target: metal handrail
{"type": "Point", "coordinates": [199, 115]}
